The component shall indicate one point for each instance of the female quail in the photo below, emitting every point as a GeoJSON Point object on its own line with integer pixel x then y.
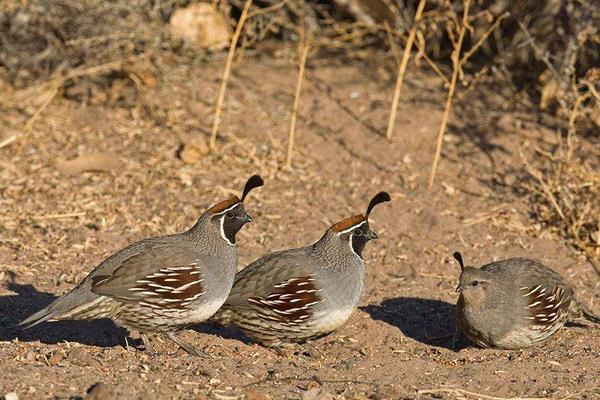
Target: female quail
{"type": "Point", "coordinates": [514, 303]}
{"type": "Point", "coordinates": [305, 293]}
{"type": "Point", "coordinates": [162, 284]}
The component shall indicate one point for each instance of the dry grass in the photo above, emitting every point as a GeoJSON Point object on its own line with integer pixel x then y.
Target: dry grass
{"type": "Point", "coordinates": [294, 115]}
{"type": "Point", "coordinates": [564, 196]}
{"type": "Point", "coordinates": [50, 47]}
{"type": "Point", "coordinates": [465, 394]}
{"type": "Point", "coordinates": [402, 67]}
{"type": "Point", "coordinates": [226, 74]}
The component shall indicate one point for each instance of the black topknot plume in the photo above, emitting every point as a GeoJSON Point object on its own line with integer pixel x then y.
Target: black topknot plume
{"type": "Point", "coordinates": [458, 257]}
{"type": "Point", "coordinates": [252, 183]}
{"type": "Point", "coordinates": [379, 198]}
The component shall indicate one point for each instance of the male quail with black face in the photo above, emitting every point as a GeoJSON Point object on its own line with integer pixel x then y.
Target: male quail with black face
{"type": "Point", "coordinates": [514, 303]}
{"type": "Point", "coordinates": [162, 284]}
{"type": "Point", "coordinates": [305, 293]}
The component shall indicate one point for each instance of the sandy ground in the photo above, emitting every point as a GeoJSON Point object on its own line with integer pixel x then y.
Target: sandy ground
{"type": "Point", "coordinates": [400, 343]}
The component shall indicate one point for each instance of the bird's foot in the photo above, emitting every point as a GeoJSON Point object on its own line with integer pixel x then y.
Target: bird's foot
{"type": "Point", "coordinates": [186, 346]}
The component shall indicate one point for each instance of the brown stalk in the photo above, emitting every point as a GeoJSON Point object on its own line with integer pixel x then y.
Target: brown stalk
{"type": "Point", "coordinates": [448, 107]}
{"type": "Point", "coordinates": [290, 149]}
{"type": "Point", "coordinates": [421, 53]}
{"type": "Point", "coordinates": [226, 74]}
{"type": "Point", "coordinates": [402, 68]}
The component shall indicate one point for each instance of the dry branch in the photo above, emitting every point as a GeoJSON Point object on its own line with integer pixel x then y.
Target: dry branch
{"type": "Point", "coordinates": [290, 149]}
{"type": "Point", "coordinates": [75, 73]}
{"type": "Point", "coordinates": [459, 393]}
{"type": "Point", "coordinates": [448, 107]}
{"type": "Point", "coordinates": [226, 74]}
{"type": "Point", "coordinates": [402, 68]}
{"type": "Point", "coordinates": [462, 394]}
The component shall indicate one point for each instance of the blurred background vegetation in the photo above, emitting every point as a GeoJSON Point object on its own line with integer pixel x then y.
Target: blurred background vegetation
{"type": "Point", "coordinates": [546, 54]}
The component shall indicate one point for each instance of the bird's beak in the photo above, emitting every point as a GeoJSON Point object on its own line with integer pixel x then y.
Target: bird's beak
{"type": "Point", "coordinates": [459, 289]}
{"type": "Point", "coordinates": [247, 218]}
{"type": "Point", "coordinates": [371, 235]}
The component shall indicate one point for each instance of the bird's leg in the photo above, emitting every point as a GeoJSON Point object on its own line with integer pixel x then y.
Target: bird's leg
{"type": "Point", "coordinates": [145, 341]}
{"type": "Point", "coordinates": [184, 345]}
{"type": "Point", "coordinates": [312, 351]}
{"type": "Point", "coordinates": [455, 339]}
{"type": "Point", "coordinates": [126, 344]}
{"type": "Point", "coordinates": [281, 349]}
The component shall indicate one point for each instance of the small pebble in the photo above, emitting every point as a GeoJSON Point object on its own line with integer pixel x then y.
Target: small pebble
{"type": "Point", "coordinates": [55, 358]}
{"type": "Point", "coordinates": [30, 356]}
{"type": "Point", "coordinates": [80, 357]}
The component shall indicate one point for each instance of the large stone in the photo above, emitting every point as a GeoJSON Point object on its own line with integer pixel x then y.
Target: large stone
{"type": "Point", "coordinates": [201, 26]}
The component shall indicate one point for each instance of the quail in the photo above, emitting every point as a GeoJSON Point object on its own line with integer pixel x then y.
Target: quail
{"type": "Point", "coordinates": [162, 284]}
{"type": "Point", "coordinates": [514, 303]}
{"type": "Point", "coordinates": [300, 294]}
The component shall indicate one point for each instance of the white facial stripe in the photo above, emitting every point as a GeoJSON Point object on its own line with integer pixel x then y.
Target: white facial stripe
{"type": "Point", "coordinates": [352, 228]}
{"type": "Point", "coordinates": [222, 229]}
{"type": "Point", "coordinates": [227, 209]}
{"type": "Point", "coordinates": [350, 244]}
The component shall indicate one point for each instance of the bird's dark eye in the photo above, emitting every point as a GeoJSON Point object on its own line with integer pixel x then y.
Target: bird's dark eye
{"type": "Point", "coordinates": [229, 214]}
{"type": "Point", "coordinates": [474, 283]}
{"type": "Point", "coordinates": [358, 232]}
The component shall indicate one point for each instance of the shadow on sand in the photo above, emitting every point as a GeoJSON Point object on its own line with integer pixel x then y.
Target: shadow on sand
{"type": "Point", "coordinates": [427, 321]}
{"type": "Point", "coordinates": [27, 300]}
{"type": "Point", "coordinates": [102, 332]}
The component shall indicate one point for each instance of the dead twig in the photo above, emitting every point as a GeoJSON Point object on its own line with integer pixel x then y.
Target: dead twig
{"type": "Point", "coordinates": [556, 196]}
{"type": "Point", "coordinates": [448, 107]}
{"type": "Point", "coordinates": [483, 38]}
{"type": "Point", "coordinates": [268, 9]}
{"type": "Point", "coordinates": [29, 124]}
{"type": "Point", "coordinates": [76, 73]}
{"type": "Point", "coordinates": [290, 149]}
{"type": "Point", "coordinates": [45, 104]}
{"type": "Point", "coordinates": [421, 52]}
{"type": "Point", "coordinates": [9, 140]}
{"type": "Point", "coordinates": [460, 393]}
{"type": "Point", "coordinates": [402, 68]}
{"type": "Point", "coordinates": [226, 74]}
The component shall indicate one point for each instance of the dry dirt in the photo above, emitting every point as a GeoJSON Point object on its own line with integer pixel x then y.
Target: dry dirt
{"type": "Point", "coordinates": [400, 343]}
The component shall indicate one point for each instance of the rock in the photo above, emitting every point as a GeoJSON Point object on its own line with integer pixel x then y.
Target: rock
{"type": "Point", "coordinates": [201, 26]}
{"type": "Point", "coordinates": [30, 356]}
{"type": "Point", "coordinates": [193, 152]}
{"type": "Point", "coordinates": [81, 357]}
{"type": "Point", "coordinates": [595, 236]}
{"type": "Point", "coordinates": [55, 358]}
{"type": "Point", "coordinates": [11, 396]}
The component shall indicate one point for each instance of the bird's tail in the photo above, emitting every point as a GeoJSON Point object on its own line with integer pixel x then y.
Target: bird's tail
{"type": "Point", "coordinates": [77, 304]}
{"type": "Point", "coordinates": [41, 316]}
{"type": "Point", "coordinates": [587, 313]}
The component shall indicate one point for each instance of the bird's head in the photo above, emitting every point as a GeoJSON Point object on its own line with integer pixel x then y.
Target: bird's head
{"type": "Point", "coordinates": [355, 232]}
{"type": "Point", "coordinates": [229, 215]}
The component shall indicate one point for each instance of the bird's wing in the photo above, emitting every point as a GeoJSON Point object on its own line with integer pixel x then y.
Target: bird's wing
{"type": "Point", "coordinates": [165, 274]}
{"type": "Point", "coordinates": [281, 287]}
{"type": "Point", "coordinates": [544, 294]}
